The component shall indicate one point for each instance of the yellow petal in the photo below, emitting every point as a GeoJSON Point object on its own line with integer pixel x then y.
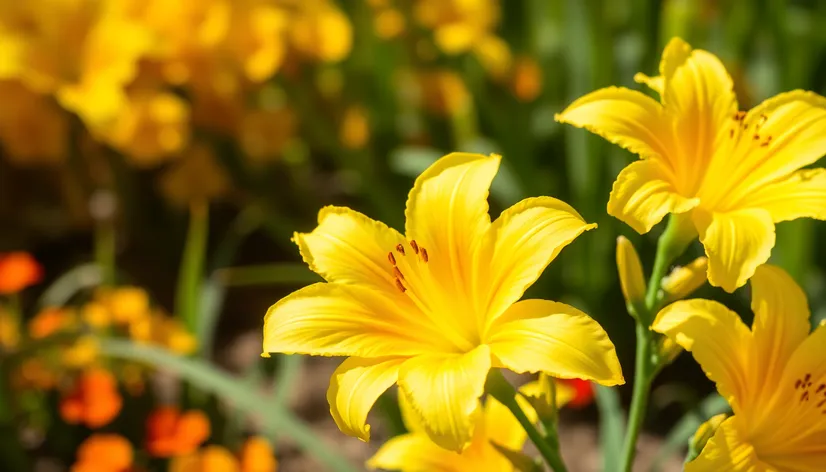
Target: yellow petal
{"type": "Point", "coordinates": [625, 117]}
{"type": "Point", "coordinates": [717, 339]}
{"type": "Point", "coordinates": [630, 271]}
{"type": "Point", "coordinates": [416, 453]}
{"type": "Point", "coordinates": [447, 213]}
{"type": "Point", "coordinates": [354, 388]}
{"type": "Point", "coordinates": [800, 195]}
{"type": "Point", "coordinates": [642, 195]}
{"type": "Point", "coordinates": [411, 420]}
{"type": "Point", "coordinates": [551, 337]}
{"type": "Point", "coordinates": [344, 320]}
{"type": "Point", "coordinates": [727, 451]}
{"type": "Point", "coordinates": [781, 320]}
{"type": "Point", "coordinates": [706, 431]}
{"type": "Point", "coordinates": [520, 244]}
{"type": "Point", "coordinates": [796, 122]}
{"type": "Point", "coordinates": [699, 98]}
{"type": "Point", "coordinates": [735, 243]}
{"type": "Point", "coordinates": [502, 428]}
{"type": "Point", "coordinates": [444, 390]}
{"type": "Point", "coordinates": [654, 83]}
{"type": "Point", "coordinates": [541, 388]}
{"type": "Point", "coordinates": [683, 280]}
{"type": "Point", "coordinates": [350, 248]}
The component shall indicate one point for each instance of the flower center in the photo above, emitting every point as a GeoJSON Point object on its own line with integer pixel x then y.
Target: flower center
{"type": "Point", "coordinates": [740, 130]}
{"type": "Point", "coordinates": [417, 251]}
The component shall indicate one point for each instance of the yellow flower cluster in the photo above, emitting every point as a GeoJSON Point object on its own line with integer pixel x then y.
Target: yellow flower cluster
{"type": "Point", "coordinates": [141, 74]}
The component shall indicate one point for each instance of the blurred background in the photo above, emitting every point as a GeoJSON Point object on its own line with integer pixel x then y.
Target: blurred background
{"type": "Point", "coordinates": [176, 145]}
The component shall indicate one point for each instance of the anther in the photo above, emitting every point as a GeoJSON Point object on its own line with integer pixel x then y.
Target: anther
{"type": "Point", "coordinates": [756, 137]}
{"type": "Point", "coordinates": [391, 258]}
{"type": "Point", "coordinates": [807, 378]}
{"type": "Point", "coordinates": [797, 384]}
{"type": "Point", "coordinates": [398, 273]}
{"type": "Point", "coordinates": [805, 396]}
{"type": "Point", "coordinates": [767, 142]}
{"type": "Point", "coordinates": [400, 249]}
{"type": "Point", "coordinates": [820, 388]}
{"type": "Point", "coordinates": [820, 403]}
{"type": "Point", "coordinates": [400, 286]}
{"type": "Point", "coordinates": [731, 133]}
{"type": "Point", "coordinates": [414, 246]}
{"type": "Point", "coordinates": [423, 254]}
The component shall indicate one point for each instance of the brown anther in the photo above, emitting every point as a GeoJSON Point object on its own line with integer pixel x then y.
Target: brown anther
{"type": "Point", "coordinates": [400, 249]}
{"type": "Point", "coordinates": [731, 133]}
{"type": "Point", "coordinates": [756, 137]}
{"type": "Point", "coordinates": [820, 403]}
{"type": "Point", "coordinates": [423, 253]}
{"type": "Point", "coordinates": [414, 246]}
{"type": "Point", "coordinates": [766, 142]}
{"type": "Point", "coordinates": [398, 273]}
{"type": "Point", "coordinates": [797, 384]}
{"type": "Point", "coordinates": [391, 258]}
{"type": "Point", "coordinates": [821, 388]}
{"type": "Point", "coordinates": [807, 378]}
{"type": "Point", "coordinates": [805, 396]}
{"type": "Point", "coordinates": [762, 121]}
{"type": "Point", "coordinates": [400, 286]}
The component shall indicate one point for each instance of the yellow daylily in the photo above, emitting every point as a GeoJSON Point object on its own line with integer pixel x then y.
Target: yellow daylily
{"type": "Point", "coordinates": [773, 376]}
{"type": "Point", "coordinates": [434, 310]}
{"type": "Point", "coordinates": [733, 173]}
{"type": "Point", "coordinates": [415, 452]}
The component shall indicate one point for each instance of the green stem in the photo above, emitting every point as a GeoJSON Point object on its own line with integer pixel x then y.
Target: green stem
{"type": "Point", "coordinates": [548, 445]}
{"type": "Point", "coordinates": [105, 249]}
{"type": "Point", "coordinates": [676, 237]}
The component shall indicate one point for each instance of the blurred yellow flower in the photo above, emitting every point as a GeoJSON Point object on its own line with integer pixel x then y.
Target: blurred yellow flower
{"type": "Point", "coordinates": [389, 23]}
{"type": "Point", "coordinates": [195, 177]}
{"type": "Point", "coordinates": [321, 31]}
{"type": "Point", "coordinates": [33, 129]}
{"type": "Point", "coordinates": [126, 304]}
{"type": "Point", "coordinates": [419, 310]}
{"type": "Point", "coordinates": [444, 92]}
{"type": "Point", "coordinates": [212, 458]}
{"type": "Point", "coordinates": [772, 375]}
{"type": "Point", "coordinates": [683, 280]}
{"type": "Point", "coordinates": [164, 330]}
{"type": "Point", "coordinates": [257, 38]}
{"type": "Point", "coordinates": [354, 132]}
{"type": "Point", "coordinates": [96, 315]}
{"type": "Point", "coordinates": [82, 353]}
{"type": "Point", "coordinates": [264, 134]}
{"type": "Point", "coordinates": [152, 126]}
{"type": "Point", "coordinates": [733, 173]}
{"type": "Point", "coordinates": [415, 452]}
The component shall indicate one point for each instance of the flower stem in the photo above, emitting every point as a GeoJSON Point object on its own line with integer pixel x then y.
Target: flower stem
{"type": "Point", "coordinates": [548, 445]}
{"type": "Point", "coordinates": [676, 237]}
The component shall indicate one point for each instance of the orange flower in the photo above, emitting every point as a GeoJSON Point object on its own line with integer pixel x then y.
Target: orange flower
{"type": "Point", "coordinates": [104, 453]}
{"type": "Point", "coordinates": [18, 270]}
{"type": "Point", "coordinates": [172, 433]}
{"type": "Point", "coordinates": [50, 321]}
{"type": "Point", "coordinates": [257, 456]}
{"type": "Point", "coordinates": [212, 458]}
{"type": "Point", "coordinates": [94, 400]}
{"type": "Point", "coordinates": [584, 392]}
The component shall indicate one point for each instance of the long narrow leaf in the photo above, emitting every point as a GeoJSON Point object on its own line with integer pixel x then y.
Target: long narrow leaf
{"type": "Point", "coordinates": [278, 421]}
{"type": "Point", "coordinates": [611, 427]}
{"type": "Point", "coordinates": [190, 278]}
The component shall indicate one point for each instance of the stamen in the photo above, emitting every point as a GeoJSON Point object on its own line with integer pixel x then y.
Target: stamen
{"type": "Point", "coordinates": [400, 249]}
{"type": "Point", "coordinates": [398, 273]}
{"type": "Point", "coordinates": [756, 137]}
{"type": "Point", "coordinates": [400, 286]}
{"type": "Point", "coordinates": [820, 388]}
{"type": "Point", "coordinates": [424, 254]}
{"type": "Point", "coordinates": [805, 396]}
{"type": "Point", "coordinates": [414, 246]}
{"type": "Point", "coordinates": [391, 258]}
{"type": "Point", "coordinates": [731, 133]}
{"type": "Point", "coordinates": [797, 384]}
{"type": "Point", "coordinates": [766, 142]}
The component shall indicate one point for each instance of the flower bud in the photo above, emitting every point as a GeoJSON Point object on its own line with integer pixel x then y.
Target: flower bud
{"type": "Point", "coordinates": [703, 434]}
{"type": "Point", "coordinates": [682, 281]}
{"type": "Point", "coordinates": [630, 272]}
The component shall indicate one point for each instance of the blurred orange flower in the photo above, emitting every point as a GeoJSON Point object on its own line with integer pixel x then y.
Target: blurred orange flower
{"type": "Point", "coordinates": [104, 453]}
{"type": "Point", "coordinates": [172, 433]}
{"type": "Point", "coordinates": [50, 321]}
{"type": "Point", "coordinates": [212, 458]}
{"type": "Point", "coordinates": [94, 400]}
{"type": "Point", "coordinates": [355, 127]}
{"type": "Point", "coordinates": [444, 92]}
{"type": "Point", "coordinates": [18, 270]}
{"type": "Point", "coordinates": [257, 456]}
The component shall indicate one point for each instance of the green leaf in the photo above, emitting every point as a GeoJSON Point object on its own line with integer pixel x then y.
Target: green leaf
{"type": "Point", "coordinates": [69, 284]}
{"type": "Point", "coordinates": [191, 275]}
{"type": "Point", "coordinates": [611, 427]}
{"type": "Point", "coordinates": [277, 421]}
{"type": "Point", "coordinates": [680, 434]}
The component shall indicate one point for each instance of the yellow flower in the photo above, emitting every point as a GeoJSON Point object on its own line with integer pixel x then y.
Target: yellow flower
{"type": "Point", "coordinates": [355, 127]}
{"type": "Point", "coordinates": [683, 280]}
{"type": "Point", "coordinates": [80, 354]}
{"type": "Point", "coordinates": [415, 452]}
{"type": "Point", "coordinates": [212, 458]}
{"type": "Point", "coordinates": [733, 173]}
{"type": "Point", "coordinates": [153, 126]}
{"type": "Point", "coordinates": [321, 31]}
{"type": "Point", "coordinates": [632, 281]}
{"type": "Point", "coordinates": [443, 92]}
{"type": "Point", "coordinates": [127, 304]}
{"type": "Point", "coordinates": [434, 310]}
{"type": "Point", "coordinates": [773, 376]}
